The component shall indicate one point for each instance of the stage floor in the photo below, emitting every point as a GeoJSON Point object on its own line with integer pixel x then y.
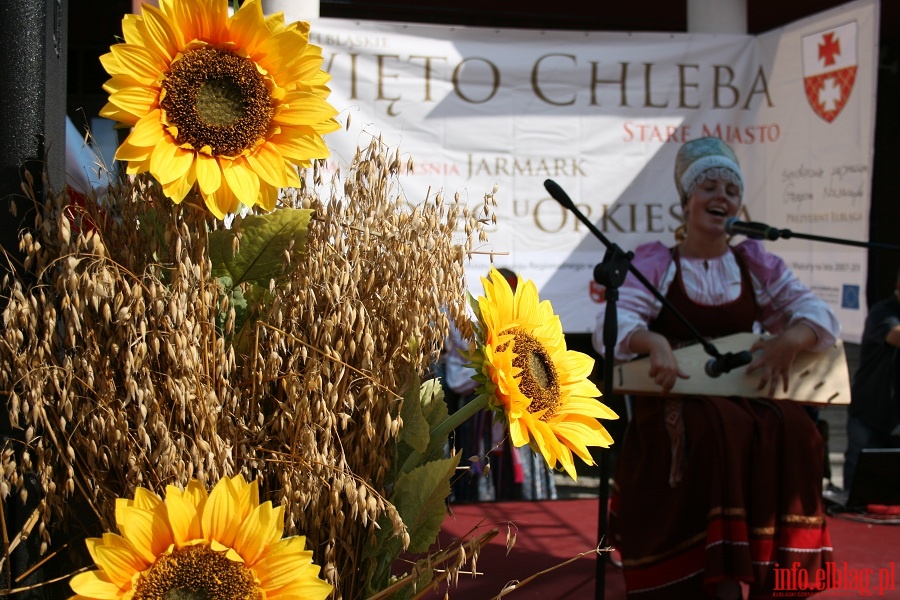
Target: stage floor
{"type": "Point", "coordinates": [550, 533]}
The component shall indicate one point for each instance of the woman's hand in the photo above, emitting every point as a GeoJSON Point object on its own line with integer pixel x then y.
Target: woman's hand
{"type": "Point", "coordinates": [778, 354]}
{"type": "Point", "coordinates": [664, 369]}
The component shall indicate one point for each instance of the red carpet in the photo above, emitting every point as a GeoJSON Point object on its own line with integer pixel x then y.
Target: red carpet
{"type": "Point", "coordinates": [550, 533]}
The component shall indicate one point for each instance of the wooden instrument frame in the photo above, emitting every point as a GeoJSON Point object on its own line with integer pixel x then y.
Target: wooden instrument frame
{"type": "Point", "coordinates": [816, 378]}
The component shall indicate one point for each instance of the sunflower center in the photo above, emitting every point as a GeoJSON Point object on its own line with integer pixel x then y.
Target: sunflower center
{"type": "Point", "coordinates": [217, 99]}
{"type": "Point", "coordinates": [197, 573]}
{"type": "Point", "coordinates": [538, 380]}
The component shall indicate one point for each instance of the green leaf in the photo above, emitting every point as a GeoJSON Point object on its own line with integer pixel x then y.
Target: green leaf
{"type": "Point", "coordinates": [237, 300]}
{"type": "Point", "coordinates": [434, 409]}
{"type": "Point", "coordinates": [264, 239]}
{"type": "Point", "coordinates": [416, 429]}
{"type": "Point", "coordinates": [419, 497]}
{"type": "Point", "coordinates": [421, 415]}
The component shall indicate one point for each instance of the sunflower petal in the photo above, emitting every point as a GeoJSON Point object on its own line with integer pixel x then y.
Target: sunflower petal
{"type": "Point", "coordinates": [242, 181]}
{"type": "Point", "coordinates": [328, 126]}
{"type": "Point", "coordinates": [209, 174]}
{"type": "Point", "coordinates": [177, 190]}
{"type": "Point", "coordinates": [196, 493]}
{"type": "Point", "coordinates": [147, 132]}
{"type": "Point", "coordinates": [95, 585]}
{"type": "Point", "coordinates": [247, 26]}
{"type": "Point", "coordinates": [304, 109]}
{"type": "Point", "coordinates": [160, 35]}
{"type": "Point", "coordinates": [215, 21]}
{"type": "Point", "coordinates": [268, 163]}
{"type": "Point", "coordinates": [141, 63]}
{"type": "Point", "coordinates": [146, 500]}
{"type": "Point", "coordinates": [518, 435]}
{"type": "Point", "coordinates": [268, 196]}
{"type": "Point", "coordinates": [131, 153]}
{"type": "Point", "coordinates": [119, 563]}
{"type": "Point", "coordinates": [279, 567]}
{"type": "Point", "coordinates": [305, 67]}
{"type": "Point", "coordinates": [147, 531]}
{"type": "Point", "coordinates": [120, 82]}
{"type": "Point", "coordinates": [307, 587]}
{"type": "Point", "coordinates": [187, 16]}
{"type": "Point", "coordinates": [110, 539]}
{"type": "Point", "coordinates": [136, 101]}
{"type": "Point", "coordinates": [589, 408]}
{"type": "Point", "coordinates": [247, 494]}
{"type": "Point", "coordinates": [221, 519]}
{"type": "Point", "coordinates": [300, 143]}
{"type": "Point", "coordinates": [184, 518]}
{"type": "Point", "coordinates": [169, 163]}
{"type": "Point", "coordinates": [131, 32]}
{"type": "Point", "coordinates": [259, 529]}
{"type": "Point", "coordinates": [112, 65]}
{"type": "Point", "coordinates": [222, 202]}
{"type": "Point", "coordinates": [280, 50]}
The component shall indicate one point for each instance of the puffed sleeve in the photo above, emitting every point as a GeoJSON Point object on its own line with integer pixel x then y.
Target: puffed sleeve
{"type": "Point", "coordinates": [637, 306]}
{"type": "Point", "coordinates": [783, 300]}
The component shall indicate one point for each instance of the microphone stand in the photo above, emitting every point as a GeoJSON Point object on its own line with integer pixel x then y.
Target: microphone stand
{"type": "Point", "coordinates": [787, 234]}
{"type": "Point", "coordinates": [611, 273]}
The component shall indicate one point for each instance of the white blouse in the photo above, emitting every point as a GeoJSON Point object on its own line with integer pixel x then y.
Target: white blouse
{"type": "Point", "coordinates": [783, 300]}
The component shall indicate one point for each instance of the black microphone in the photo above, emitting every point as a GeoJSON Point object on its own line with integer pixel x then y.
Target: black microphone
{"type": "Point", "coordinates": [727, 362]}
{"type": "Point", "coordinates": [559, 194]}
{"type": "Point", "coordinates": [754, 230]}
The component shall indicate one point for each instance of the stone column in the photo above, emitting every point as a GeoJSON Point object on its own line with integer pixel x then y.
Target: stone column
{"type": "Point", "coordinates": [717, 16]}
{"type": "Point", "coordinates": [294, 10]}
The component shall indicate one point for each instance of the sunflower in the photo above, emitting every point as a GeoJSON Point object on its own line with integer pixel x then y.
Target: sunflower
{"type": "Point", "coordinates": [230, 104]}
{"type": "Point", "coordinates": [529, 377]}
{"type": "Point", "coordinates": [219, 546]}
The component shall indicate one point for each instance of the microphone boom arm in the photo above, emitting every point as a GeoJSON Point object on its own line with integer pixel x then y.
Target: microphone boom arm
{"type": "Point", "coordinates": [761, 231]}
{"type": "Point", "coordinates": [787, 234]}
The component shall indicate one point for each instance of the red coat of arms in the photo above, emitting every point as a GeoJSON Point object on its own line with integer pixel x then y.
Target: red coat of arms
{"type": "Point", "coordinates": [829, 69]}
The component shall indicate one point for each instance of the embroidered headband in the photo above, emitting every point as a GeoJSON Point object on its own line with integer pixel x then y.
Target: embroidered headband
{"type": "Point", "coordinates": [702, 159]}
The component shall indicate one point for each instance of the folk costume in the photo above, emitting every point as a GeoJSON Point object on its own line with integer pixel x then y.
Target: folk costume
{"type": "Point", "coordinates": [709, 489]}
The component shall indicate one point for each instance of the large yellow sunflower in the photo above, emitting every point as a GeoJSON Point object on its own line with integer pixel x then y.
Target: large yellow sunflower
{"type": "Point", "coordinates": [230, 104]}
{"type": "Point", "coordinates": [219, 546]}
{"type": "Point", "coordinates": [528, 375]}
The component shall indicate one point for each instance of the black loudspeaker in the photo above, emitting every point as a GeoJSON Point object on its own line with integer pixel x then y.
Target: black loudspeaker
{"type": "Point", "coordinates": [32, 108]}
{"type": "Point", "coordinates": [876, 479]}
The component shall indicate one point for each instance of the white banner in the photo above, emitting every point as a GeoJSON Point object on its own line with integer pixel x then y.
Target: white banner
{"type": "Point", "coordinates": [602, 114]}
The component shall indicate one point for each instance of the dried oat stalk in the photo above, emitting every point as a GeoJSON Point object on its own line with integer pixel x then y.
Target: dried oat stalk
{"type": "Point", "coordinates": [122, 364]}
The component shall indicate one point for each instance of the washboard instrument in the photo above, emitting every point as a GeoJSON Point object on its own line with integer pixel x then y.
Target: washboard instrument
{"type": "Point", "coordinates": [816, 378]}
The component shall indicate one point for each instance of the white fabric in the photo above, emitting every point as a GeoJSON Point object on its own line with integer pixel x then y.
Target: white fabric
{"type": "Point", "coordinates": [603, 114]}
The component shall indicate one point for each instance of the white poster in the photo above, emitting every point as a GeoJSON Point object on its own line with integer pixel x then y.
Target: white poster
{"type": "Point", "coordinates": [602, 115]}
